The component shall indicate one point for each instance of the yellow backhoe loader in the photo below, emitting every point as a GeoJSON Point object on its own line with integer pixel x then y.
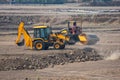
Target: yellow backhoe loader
{"type": "Point", "coordinates": [43, 37]}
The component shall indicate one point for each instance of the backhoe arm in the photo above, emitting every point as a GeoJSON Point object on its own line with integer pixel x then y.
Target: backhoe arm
{"type": "Point", "coordinates": [27, 38]}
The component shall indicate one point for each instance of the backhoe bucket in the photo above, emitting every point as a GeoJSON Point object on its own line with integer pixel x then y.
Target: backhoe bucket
{"type": "Point", "coordinates": [20, 43]}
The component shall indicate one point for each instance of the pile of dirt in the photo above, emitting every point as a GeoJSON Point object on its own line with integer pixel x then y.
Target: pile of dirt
{"type": "Point", "coordinates": [49, 60]}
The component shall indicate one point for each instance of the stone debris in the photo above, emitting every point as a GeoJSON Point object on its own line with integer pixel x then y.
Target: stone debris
{"type": "Point", "coordinates": [50, 60]}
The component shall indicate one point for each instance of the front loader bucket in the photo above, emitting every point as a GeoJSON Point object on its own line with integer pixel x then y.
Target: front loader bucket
{"type": "Point", "coordinates": [20, 43]}
{"type": "Point", "coordinates": [83, 38]}
{"type": "Point", "coordinates": [89, 39]}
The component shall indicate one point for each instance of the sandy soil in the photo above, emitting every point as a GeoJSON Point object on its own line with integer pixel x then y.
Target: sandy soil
{"type": "Point", "coordinates": [108, 69]}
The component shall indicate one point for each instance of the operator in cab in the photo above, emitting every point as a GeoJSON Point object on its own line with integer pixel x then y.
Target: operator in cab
{"type": "Point", "coordinates": [76, 29]}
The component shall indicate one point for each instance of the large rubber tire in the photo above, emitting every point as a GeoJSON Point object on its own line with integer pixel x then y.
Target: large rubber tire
{"type": "Point", "coordinates": [57, 46]}
{"type": "Point", "coordinates": [39, 45]}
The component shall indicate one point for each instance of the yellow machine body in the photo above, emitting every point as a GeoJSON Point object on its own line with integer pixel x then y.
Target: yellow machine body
{"type": "Point", "coordinates": [27, 37]}
{"type": "Point", "coordinates": [40, 41]}
{"type": "Point", "coordinates": [43, 37]}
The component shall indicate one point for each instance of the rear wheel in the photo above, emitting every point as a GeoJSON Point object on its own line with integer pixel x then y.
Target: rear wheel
{"type": "Point", "coordinates": [39, 45]}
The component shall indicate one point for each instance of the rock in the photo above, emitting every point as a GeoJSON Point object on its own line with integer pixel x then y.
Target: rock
{"type": "Point", "coordinates": [50, 60]}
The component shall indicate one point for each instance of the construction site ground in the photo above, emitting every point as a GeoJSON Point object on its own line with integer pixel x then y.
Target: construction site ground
{"type": "Point", "coordinates": [106, 69]}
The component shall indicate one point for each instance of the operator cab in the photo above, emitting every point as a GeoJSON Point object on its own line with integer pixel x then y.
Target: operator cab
{"type": "Point", "coordinates": [42, 32]}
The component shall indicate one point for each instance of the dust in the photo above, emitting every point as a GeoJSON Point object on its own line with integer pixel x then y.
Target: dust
{"type": "Point", "coordinates": [113, 56]}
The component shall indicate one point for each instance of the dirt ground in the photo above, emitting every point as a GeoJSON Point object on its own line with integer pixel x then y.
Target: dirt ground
{"type": "Point", "coordinates": [106, 69]}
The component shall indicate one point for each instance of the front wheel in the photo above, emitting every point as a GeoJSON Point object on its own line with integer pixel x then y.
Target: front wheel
{"type": "Point", "coordinates": [39, 45]}
{"type": "Point", "coordinates": [59, 46]}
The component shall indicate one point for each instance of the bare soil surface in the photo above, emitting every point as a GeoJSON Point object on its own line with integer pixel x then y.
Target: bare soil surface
{"type": "Point", "coordinates": [106, 69]}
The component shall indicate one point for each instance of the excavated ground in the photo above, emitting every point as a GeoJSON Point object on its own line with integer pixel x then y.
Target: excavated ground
{"type": "Point", "coordinates": [44, 61]}
{"type": "Point", "coordinates": [75, 62]}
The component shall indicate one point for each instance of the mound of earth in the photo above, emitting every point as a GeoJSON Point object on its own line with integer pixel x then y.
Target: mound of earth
{"type": "Point", "coordinates": [43, 61]}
